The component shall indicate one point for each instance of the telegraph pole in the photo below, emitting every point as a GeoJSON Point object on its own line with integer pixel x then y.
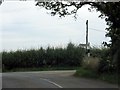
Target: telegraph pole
{"type": "Point", "coordinates": [86, 35]}
{"type": "Point", "coordinates": [87, 44]}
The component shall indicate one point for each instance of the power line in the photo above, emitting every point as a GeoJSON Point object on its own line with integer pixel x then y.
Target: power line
{"type": "Point", "coordinates": [84, 20]}
{"type": "Point", "coordinates": [96, 30]}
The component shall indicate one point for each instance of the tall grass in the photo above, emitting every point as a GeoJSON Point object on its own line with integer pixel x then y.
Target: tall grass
{"type": "Point", "coordinates": [91, 63]}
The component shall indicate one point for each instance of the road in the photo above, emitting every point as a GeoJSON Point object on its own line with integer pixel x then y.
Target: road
{"type": "Point", "coordinates": [50, 79]}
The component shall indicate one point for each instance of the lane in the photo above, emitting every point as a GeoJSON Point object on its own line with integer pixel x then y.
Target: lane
{"type": "Point", "coordinates": [21, 80]}
{"type": "Point", "coordinates": [53, 83]}
{"type": "Point", "coordinates": [50, 79]}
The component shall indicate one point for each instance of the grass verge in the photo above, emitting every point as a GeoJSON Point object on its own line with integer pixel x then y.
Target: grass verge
{"type": "Point", "coordinates": [39, 69]}
{"type": "Point", "coordinates": [110, 78]}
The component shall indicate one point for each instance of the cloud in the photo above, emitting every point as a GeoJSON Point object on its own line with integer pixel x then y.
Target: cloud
{"type": "Point", "coordinates": [24, 25]}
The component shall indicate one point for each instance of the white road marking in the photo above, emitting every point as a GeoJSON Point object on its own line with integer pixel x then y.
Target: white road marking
{"type": "Point", "coordinates": [52, 83]}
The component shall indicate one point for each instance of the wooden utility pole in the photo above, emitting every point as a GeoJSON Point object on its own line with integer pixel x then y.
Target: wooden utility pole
{"type": "Point", "coordinates": [86, 35]}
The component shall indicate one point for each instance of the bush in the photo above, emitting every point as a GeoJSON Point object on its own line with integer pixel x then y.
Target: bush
{"type": "Point", "coordinates": [107, 64]}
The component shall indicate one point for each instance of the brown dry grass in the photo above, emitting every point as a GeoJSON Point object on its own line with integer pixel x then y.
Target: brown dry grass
{"type": "Point", "coordinates": [90, 63]}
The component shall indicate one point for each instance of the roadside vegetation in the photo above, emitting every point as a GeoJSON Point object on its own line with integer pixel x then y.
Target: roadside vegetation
{"type": "Point", "coordinates": [98, 66]}
{"type": "Point", "coordinates": [50, 58]}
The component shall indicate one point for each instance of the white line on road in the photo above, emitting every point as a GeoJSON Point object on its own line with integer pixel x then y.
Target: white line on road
{"type": "Point", "coordinates": [53, 83]}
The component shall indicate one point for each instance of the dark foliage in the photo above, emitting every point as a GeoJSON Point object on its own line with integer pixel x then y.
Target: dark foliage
{"type": "Point", "coordinates": [50, 57]}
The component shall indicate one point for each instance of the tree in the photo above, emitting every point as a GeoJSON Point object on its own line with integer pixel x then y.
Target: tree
{"type": "Point", "coordinates": [109, 10]}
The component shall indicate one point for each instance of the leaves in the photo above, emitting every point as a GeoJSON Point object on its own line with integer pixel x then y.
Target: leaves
{"type": "Point", "coordinates": [50, 57]}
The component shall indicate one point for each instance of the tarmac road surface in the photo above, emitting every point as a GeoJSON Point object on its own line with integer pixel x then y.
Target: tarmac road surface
{"type": "Point", "coordinates": [50, 79]}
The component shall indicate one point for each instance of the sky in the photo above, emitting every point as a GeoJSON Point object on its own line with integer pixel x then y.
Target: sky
{"type": "Point", "coordinates": [26, 26]}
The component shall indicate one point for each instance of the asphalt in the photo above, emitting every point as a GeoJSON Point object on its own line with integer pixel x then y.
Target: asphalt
{"type": "Point", "coordinates": [50, 79]}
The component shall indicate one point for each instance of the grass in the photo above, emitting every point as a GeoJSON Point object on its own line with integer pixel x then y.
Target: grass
{"type": "Point", "coordinates": [39, 69]}
{"type": "Point", "coordinates": [111, 78]}
{"type": "Point", "coordinates": [87, 73]}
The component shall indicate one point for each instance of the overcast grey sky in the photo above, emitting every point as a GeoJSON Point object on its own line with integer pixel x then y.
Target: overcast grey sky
{"type": "Point", "coordinates": [24, 26]}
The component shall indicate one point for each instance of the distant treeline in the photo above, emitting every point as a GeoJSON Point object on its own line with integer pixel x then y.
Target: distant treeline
{"type": "Point", "coordinates": [50, 57]}
{"type": "Point", "coordinates": [71, 56]}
